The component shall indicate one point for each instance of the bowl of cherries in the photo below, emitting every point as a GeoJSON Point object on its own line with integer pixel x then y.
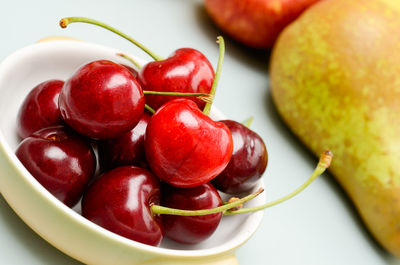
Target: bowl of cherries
{"type": "Point", "coordinates": [117, 160]}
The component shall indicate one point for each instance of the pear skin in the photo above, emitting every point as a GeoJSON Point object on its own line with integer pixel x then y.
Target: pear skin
{"type": "Point", "coordinates": [335, 81]}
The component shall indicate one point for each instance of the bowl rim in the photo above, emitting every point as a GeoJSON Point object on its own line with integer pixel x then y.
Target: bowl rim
{"type": "Point", "coordinates": [69, 213]}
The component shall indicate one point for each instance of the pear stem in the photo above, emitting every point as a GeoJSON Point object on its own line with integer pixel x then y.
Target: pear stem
{"type": "Point", "coordinates": [133, 61]}
{"type": "Point", "coordinates": [221, 42]}
{"type": "Point", "coordinates": [157, 209]}
{"type": "Point", "coordinates": [323, 164]}
{"type": "Point", "coordinates": [64, 22]}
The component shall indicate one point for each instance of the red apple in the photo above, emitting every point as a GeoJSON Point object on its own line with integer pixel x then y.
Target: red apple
{"type": "Point", "coordinates": [256, 23]}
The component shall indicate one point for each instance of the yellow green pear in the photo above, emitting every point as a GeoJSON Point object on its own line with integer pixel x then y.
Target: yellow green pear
{"type": "Point", "coordinates": [335, 80]}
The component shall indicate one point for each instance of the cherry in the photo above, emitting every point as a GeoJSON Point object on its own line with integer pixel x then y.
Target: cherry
{"type": "Point", "coordinates": [127, 149]}
{"type": "Point", "coordinates": [119, 201]}
{"type": "Point", "coordinates": [184, 147]}
{"type": "Point", "coordinates": [40, 108]}
{"type": "Point", "coordinates": [101, 100]}
{"type": "Point", "coordinates": [248, 162]}
{"type": "Point", "coordinates": [62, 161]}
{"type": "Point", "coordinates": [186, 70]}
{"type": "Point", "coordinates": [190, 229]}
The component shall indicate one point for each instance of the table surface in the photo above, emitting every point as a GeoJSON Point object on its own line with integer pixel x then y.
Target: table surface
{"type": "Point", "coordinates": [319, 226]}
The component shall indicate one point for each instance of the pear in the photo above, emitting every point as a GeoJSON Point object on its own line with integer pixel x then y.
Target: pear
{"type": "Point", "coordinates": [335, 80]}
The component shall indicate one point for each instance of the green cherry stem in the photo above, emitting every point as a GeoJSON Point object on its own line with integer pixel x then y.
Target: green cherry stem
{"type": "Point", "coordinates": [323, 164]}
{"type": "Point", "coordinates": [130, 59]}
{"type": "Point", "coordinates": [248, 122]}
{"type": "Point", "coordinates": [157, 209]}
{"type": "Point", "coordinates": [202, 96]}
{"type": "Point", "coordinates": [177, 94]}
{"type": "Point", "coordinates": [64, 22]}
{"type": "Point", "coordinates": [221, 43]}
{"type": "Point", "coordinates": [150, 109]}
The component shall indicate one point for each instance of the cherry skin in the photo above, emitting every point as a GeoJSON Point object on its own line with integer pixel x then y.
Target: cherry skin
{"type": "Point", "coordinates": [127, 149]}
{"type": "Point", "coordinates": [120, 200]}
{"type": "Point", "coordinates": [184, 147]}
{"type": "Point", "coordinates": [40, 108]}
{"type": "Point", "coordinates": [133, 71]}
{"type": "Point", "coordinates": [101, 100]}
{"type": "Point", "coordinates": [190, 229]}
{"type": "Point", "coordinates": [185, 70]}
{"type": "Point", "coordinates": [61, 160]}
{"type": "Point", "coordinates": [248, 163]}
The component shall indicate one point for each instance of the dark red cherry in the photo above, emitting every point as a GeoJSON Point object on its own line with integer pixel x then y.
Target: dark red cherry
{"type": "Point", "coordinates": [127, 149]}
{"type": "Point", "coordinates": [184, 147]}
{"type": "Point", "coordinates": [248, 163]}
{"type": "Point", "coordinates": [102, 100]}
{"type": "Point", "coordinates": [120, 200]}
{"type": "Point", "coordinates": [186, 70]}
{"type": "Point", "coordinates": [190, 229]}
{"type": "Point", "coordinates": [40, 108]}
{"type": "Point", "coordinates": [60, 160]}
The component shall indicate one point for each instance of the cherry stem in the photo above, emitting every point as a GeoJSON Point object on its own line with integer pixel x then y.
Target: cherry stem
{"type": "Point", "coordinates": [150, 109]}
{"type": "Point", "coordinates": [64, 22]}
{"type": "Point", "coordinates": [323, 164]}
{"type": "Point", "coordinates": [157, 209]}
{"type": "Point", "coordinates": [178, 94]}
{"type": "Point", "coordinates": [248, 122]}
{"type": "Point", "coordinates": [202, 96]}
{"type": "Point", "coordinates": [133, 61]}
{"type": "Point", "coordinates": [221, 43]}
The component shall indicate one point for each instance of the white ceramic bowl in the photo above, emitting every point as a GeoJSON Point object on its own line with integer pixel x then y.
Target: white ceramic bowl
{"type": "Point", "coordinates": [63, 227]}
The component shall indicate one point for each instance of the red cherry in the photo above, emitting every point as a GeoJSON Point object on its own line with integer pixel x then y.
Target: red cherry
{"type": "Point", "coordinates": [184, 147]}
{"type": "Point", "coordinates": [40, 108]}
{"type": "Point", "coordinates": [101, 100]}
{"type": "Point", "coordinates": [60, 160]}
{"type": "Point", "coordinates": [186, 70]}
{"type": "Point", "coordinates": [248, 163]}
{"type": "Point", "coordinates": [119, 201]}
{"type": "Point", "coordinates": [127, 149]}
{"type": "Point", "coordinates": [190, 229]}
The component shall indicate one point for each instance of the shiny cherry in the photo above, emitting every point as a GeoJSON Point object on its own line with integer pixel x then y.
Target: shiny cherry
{"type": "Point", "coordinates": [184, 147]}
{"type": "Point", "coordinates": [40, 108]}
{"type": "Point", "coordinates": [127, 149]}
{"type": "Point", "coordinates": [190, 229]}
{"type": "Point", "coordinates": [248, 163]}
{"type": "Point", "coordinates": [119, 201]}
{"type": "Point", "coordinates": [101, 100]}
{"type": "Point", "coordinates": [185, 70]}
{"type": "Point", "coordinates": [62, 161]}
